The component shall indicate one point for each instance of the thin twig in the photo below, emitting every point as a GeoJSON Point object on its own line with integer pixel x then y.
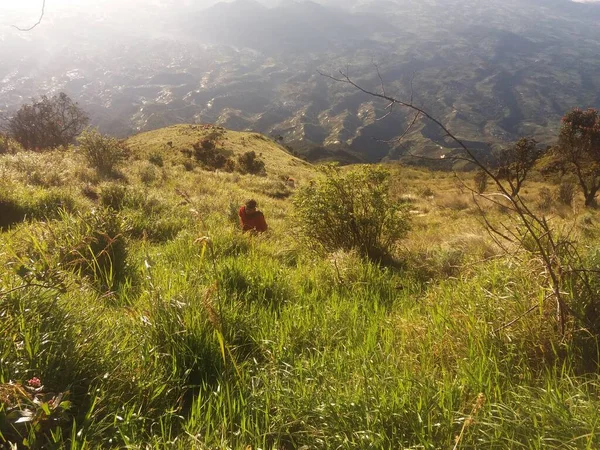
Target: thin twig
{"type": "Point", "coordinates": [38, 22]}
{"type": "Point", "coordinates": [403, 135]}
{"type": "Point", "coordinates": [512, 322]}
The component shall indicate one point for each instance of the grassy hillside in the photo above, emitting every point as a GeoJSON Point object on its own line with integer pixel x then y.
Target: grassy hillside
{"type": "Point", "coordinates": [136, 298]}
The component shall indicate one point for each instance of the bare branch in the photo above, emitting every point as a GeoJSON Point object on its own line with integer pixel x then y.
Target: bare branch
{"type": "Point", "coordinates": [38, 22]}
{"type": "Point", "coordinates": [412, 91]}
{"type": "Point", "coordinates": [546, 247]}
{"type": "Point", "coordinates": [512, 322]}
{"type": "Point", "coordinates": [380, 78]}
{"type": "Point", "coordinates": [403, 135]}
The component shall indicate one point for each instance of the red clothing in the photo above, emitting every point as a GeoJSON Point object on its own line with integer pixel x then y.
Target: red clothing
{"type": "Point", "coordinates": [252, 222]}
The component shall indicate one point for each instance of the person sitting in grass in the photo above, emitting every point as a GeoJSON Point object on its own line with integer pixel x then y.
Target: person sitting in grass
{"type": "Point", "coordinates": [252, 219]}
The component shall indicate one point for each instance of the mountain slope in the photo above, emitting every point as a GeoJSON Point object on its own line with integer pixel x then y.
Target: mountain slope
{"type": "Point", "coordinates": [492, 71]}
{"type": "Point", "coordinates": [290, 26]}
{"type": "Point", "coordinates": [171, 141]}
{"type": "Point", "coordinates": [134, 309]}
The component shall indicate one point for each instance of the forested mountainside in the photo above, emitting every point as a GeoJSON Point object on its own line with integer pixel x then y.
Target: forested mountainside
{"type": "Point", "coordinates": [493, 71]}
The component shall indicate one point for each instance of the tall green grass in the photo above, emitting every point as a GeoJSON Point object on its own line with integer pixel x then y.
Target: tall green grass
{"type": "Point", "coordinates": [163, 340]}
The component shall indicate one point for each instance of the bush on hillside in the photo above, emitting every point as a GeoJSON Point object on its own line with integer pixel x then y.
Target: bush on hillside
{"type": "Point", "coordinates": [94, 245]}
{"type": "Point", "coordinates": [16, 207]}
{"type": "Point", "coordinates": [481, 181]}
{"type": "Point", "coordinates": [211, 158]}
{"type": "Point", "coordinates": [578, 150]}
{"type": "Point", "coordinates": [11, 213]}
{"type": "Point", "coordinates": [250, 163]}
{"type": "Point", "coordinates": [8, 145]}
{"type": "Point", "coordinates": [352, 210]}
{"type": "Point", "coordinates": [103, 153]}
{"type": "Point", "coordinates": [115, 196]}
{"type": "Point", "coordinates": [47, 123]}
{"type": "Point", "coordinates": [515, 163]}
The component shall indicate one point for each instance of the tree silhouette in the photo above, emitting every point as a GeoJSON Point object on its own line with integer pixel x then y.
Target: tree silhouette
{"type": "Point", "coordinates": [578, 150]}
{"type": "Point", "coordinates": [47, 123]}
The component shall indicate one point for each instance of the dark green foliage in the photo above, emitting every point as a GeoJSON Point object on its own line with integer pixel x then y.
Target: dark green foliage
{"type": "Point", "coordinates": [51, 204]}
{"type": "Point", "coordinates": [145, 217]}
{"type": "Point", "coordinates": [119, 196]}
{"type": "Point", "coordinates": [584, 286]}
{"type": "Point", "coordinates": [481, 181]}
{"type": "Point", "coordinates": [156, 159]}
{"type": "Point", "coordinates": [154, 227]}
{"type": "Point", "coordinates": [11, 212]}
{"type": "Point", "coordinates": [186, 337]}
{"type": "Point", "coordinates": [3, 143]}
{"type": "Point", "coordinates": [17, 207]}
{"type": "Point", "coordinates": [47, 123]}
{"type": "Point", "coordinates": [275, 189]}
{"type": "Point", "coordinates": [352, 210]}
{"type": "Point", "coordinates": [103, 153]}
{"type": "Point", "coordinates": [114, 196]}
{"type": "Point", "coordinates": [211, 158]}
{"type": "Point", "coordinates": [94, 245]}
{"type": "Point", "coordinates": [249, 163]}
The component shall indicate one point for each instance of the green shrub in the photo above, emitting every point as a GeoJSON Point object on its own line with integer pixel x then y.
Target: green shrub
{"type": "Point", "coordinates": [352, 210]}
{"type": "Point", "coordinates": [8, 145]}
{"type": "Point", "coordinates": [481, 181]}
{"type": "Point", "coordinates": [16, 207]}
{"type": "Point", "coordinates": [93, 244]}
{"type": "Point", "coordinates": [156, 158]}
{"type": "Point", "coordinates": [148, 173]}
{"type": "Point", "coordinates": [50, 354]}
{"type": "Point", "coordinates": [260, 283]}
{"type": "Point", "coordinates": [39, 169]}
{"type": "Point", "coordinates": [249, 163]}
{"type": "Point", "coordinates": [51, 204]}
{"type": "Point", "coordinates": [210, 157]}
{"type": "Point", "coordinates": [11, 212]}
{"type": "Point", "coordinates": [154, 227]}
{"type": "Point", "coordinates": [103, 153]}
{"type": "Point", "coordinates": [114, 196]}
{"type": "Point", "coordinates": [274, 188]}
{"type": "Point", "coordinates": [426, 192]}
{"type": "Point", "coordinates": [119, 196]}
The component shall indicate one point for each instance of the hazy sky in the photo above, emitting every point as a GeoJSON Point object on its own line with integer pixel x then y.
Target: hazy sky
{"type": "Point", "coordinates": [25, 13]}
{"type": "Point", "coordinates": [28, 10]}
{"type": "Point", "coordinates": [35, 5]}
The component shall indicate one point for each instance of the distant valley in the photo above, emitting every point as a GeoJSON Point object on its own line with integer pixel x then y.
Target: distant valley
{"type": "Point", "coordinates": [493, 71]}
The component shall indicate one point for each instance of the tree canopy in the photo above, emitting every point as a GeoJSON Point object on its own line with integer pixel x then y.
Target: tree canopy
{"type": "Point", "coordinates": [578, 149]}
{"type": "Point", "coordinates": [47, 123]}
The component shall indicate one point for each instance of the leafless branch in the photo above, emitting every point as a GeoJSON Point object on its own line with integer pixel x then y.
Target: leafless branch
{"type": "Point", "coordinates": [380, 78]}
{"type": "Point", "coordinates": [412, 91]}
{"type": "Point", "coordinates": [535, 226]}
{"type": "Point", "coordinates": [38, 22]}
{"type": "Point", "coordinates": [403, 135]}
{"type": "Point", "coordinates": [512, 322]}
